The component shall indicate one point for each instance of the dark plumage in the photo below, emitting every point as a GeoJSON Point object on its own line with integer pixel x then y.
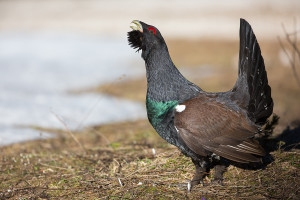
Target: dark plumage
{"type": "Point", "coordinates": [214, 129]}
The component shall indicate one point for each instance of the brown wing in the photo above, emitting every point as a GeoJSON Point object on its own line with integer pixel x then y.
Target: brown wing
{"type": "Point", "coordinates": [207, 125]}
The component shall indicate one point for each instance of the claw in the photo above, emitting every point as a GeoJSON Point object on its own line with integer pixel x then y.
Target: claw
{"type": "Point", "coordinates": [217, 182]}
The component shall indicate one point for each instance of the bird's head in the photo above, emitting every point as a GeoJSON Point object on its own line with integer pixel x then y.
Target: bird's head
{"type": "Point", "coordinates": [145, 37]}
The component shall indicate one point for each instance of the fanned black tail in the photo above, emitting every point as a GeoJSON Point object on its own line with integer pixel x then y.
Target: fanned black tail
{"type": "Point", "coordinates": [252, 91]}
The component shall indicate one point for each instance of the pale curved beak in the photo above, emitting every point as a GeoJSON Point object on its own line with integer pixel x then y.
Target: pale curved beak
{"type": "Point", "coordinates": [136, 25]}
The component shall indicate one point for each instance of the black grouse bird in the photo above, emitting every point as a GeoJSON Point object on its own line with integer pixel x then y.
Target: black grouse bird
{"type": "Point", "coordinates": [214, 129]}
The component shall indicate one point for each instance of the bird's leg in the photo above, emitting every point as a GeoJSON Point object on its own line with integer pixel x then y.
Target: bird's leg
{"type": "Point", "coordinates": [200, 172]}
{"type": "Point", "coordinates": [219, 171]}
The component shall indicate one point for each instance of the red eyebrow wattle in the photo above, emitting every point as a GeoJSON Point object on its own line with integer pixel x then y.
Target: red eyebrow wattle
{"type": "Point", "coordinates": [152, 29]}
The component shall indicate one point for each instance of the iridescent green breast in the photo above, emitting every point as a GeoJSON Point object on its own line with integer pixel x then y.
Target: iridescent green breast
{"type": "Point", "coordinates": [157, 111]}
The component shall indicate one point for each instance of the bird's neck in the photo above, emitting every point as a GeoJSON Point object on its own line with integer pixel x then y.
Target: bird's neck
{"type": "Point", "coordinates": [164, 82]}
{"type": "Point", "coordinates": [166, 87]}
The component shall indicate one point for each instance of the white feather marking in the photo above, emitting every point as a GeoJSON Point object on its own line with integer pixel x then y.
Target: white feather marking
{"type": "Point", "coordinates": [246, 147]}
{"type": "Point", "coordinates": [176, 129]}
{"type": "Point", "coordinates": [180, 108]}
{"type": "Point", "coordinates": [233, 147]}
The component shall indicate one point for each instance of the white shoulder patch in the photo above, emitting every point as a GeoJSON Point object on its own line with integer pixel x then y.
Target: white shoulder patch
{"type": "Point", "coordinates": [180, 108]}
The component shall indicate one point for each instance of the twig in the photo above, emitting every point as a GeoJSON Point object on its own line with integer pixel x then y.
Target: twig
{"type": "Point", "coordinates": [103, 136]}
{"type": "Point", "coordinates": [292, 43]}
{"type": "Point", "coordinates": [296, 32]}
{"type": "Point", "coordinates": [120, 182]}
{"type": "Point", "coordinates": [55, 167]}
{"type": "Point", "coordinates": [69, 131]}
{"type": "Point", "coordinates": [292, 59]}
{"type": "Point", "coordinates": [92, 108]}
{"type": "Point", "coordinates": [292, 63]}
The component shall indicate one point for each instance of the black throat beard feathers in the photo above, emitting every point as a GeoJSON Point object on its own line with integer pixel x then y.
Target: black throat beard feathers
{"type": "Point", "coordinates": [135, 39]}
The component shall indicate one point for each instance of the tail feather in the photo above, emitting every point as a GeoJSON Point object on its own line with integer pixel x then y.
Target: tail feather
{"type": "Point", "coordinates": [238, 156]}
{"type": "Point", "coordinates": [252, 91]}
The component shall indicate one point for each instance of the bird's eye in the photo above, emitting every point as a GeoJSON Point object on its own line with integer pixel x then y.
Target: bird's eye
{"type": "Point", "coordinates": [153, 30]}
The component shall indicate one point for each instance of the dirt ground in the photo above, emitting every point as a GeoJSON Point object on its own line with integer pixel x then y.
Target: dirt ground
{"type": "Point", "coordinates": [117, 161]}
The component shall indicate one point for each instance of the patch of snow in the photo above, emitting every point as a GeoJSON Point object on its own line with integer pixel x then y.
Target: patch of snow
{"type": "Point", "coordinates": [37, 70]}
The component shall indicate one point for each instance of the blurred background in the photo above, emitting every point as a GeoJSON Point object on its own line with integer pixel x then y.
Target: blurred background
{"type": "Point", "coordinates": [69, 59]}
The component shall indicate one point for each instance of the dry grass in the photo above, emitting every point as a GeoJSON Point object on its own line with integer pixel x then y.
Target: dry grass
{"type": "Point", "coordinates": [59, 169]}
